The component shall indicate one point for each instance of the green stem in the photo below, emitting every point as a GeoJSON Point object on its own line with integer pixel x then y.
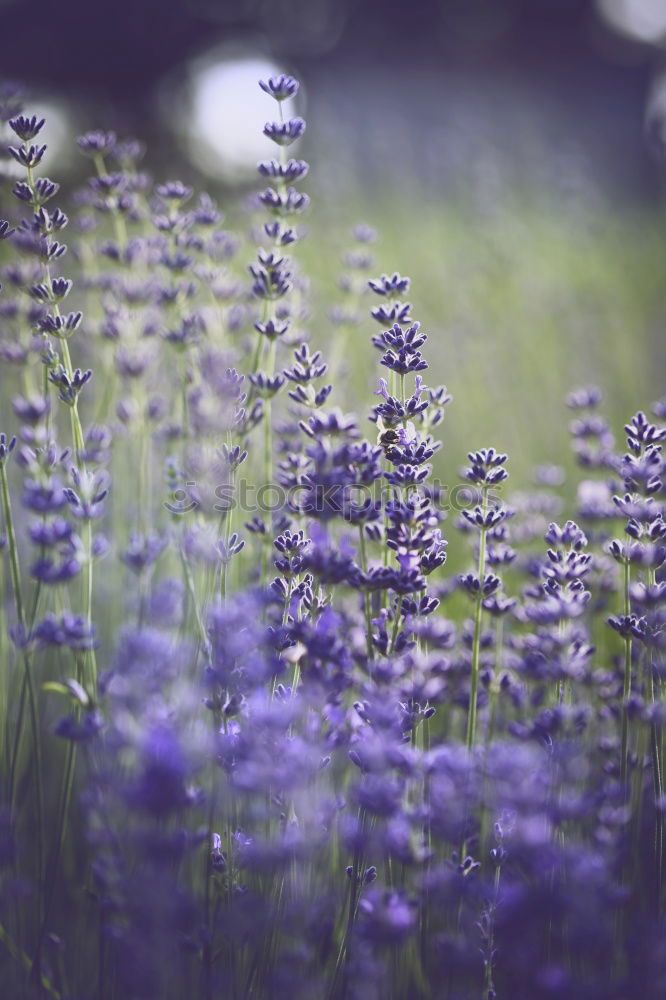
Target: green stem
{"type": "Point", "coordinates": [117, 216]}
{"type": "Point", "coordinates": [12, 547]}
{"type": "Point", "coordinates": [488, 985]}
{"type": "Point", "coordinates": [657, 775]}
{"type": "Point", "coordinates": [354, 895]}
{"type": "Point", "coordinates": [257, 354]}
{"type": "Point", "coordinates": [657, 778]}
{"type": "Point", "coordinates": [287, 602]}
{"type": "Point", "coordinates": [476, 642]}
{"type": "Point", "coordinates": [268, 451]}
{"type": "Point", "coordinates": [20, 956]}
{"type": "Point", "coordinates": [29, 685]}
{"type": "Point", "coordinates": [396, 627]}
{"type": "Point", "coordinates": [494, 686]}
{"type": "Point", "coordinates": [208, 869]}
{"type": "Point", "coordinates": [45, 390]}
{"type": "Point", "coordinates": [68, 781]}
{"type": "Point", "coordinates": [366, 596]}
{"type": "Point", "coordinates": [183, 385]}
{"type": "Point", "coordinates": [189, 581]}
{"type": "Point", "coordinates": [79, 448]}
{"type": "Point", "coordinates": [77, 430]}
{"type": "Point", "coordinates": [626, 689]}
{"type": "Point", "coordinates": [92, 659]}
{"type": "Point", "coordinates": [227, 535]}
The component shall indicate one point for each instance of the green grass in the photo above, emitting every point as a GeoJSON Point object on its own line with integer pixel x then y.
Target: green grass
{"type": "Point", "coordinates": [520, 306]}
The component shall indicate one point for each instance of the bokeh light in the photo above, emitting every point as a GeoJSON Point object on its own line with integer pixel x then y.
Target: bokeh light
{"type": "Point", "coordinates": [224, 112]}
{"type": "Point", "coordinates": [642, 20]}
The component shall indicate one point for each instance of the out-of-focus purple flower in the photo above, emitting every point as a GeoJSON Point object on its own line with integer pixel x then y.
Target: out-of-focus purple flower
{"type": "Point", "coordinates": [160, 788]}
{"type": "Point", "coordinates": [80, 730]}
{"type": "Point", "coordinates": [68, 630]}
{"type": "Point", "coordinates": [387, 916]}
{"type": "Point", "coordinates": [96, 143]}
{"type": "Point", "coordinates": [143, 552]}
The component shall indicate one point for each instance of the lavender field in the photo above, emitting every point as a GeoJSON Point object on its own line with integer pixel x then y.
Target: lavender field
{"type": "Point", "coordinates": [311, 688]}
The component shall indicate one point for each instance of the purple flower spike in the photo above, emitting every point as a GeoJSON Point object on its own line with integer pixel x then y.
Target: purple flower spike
{"type": "Point", "coordinates": [280, 87]}
{"type": "Point", "coordinates": [284, 133]}
{"type": "Point", "coordinates": [96, 143]}
{"type": "Point", "coordinates": [26, 128]}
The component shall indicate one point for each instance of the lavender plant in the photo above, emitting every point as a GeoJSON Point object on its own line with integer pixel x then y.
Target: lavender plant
{"type": "Point", "coordinates": [273, 747]}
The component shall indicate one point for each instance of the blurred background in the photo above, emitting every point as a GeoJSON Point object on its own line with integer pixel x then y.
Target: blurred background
{"type": "Point", "coordinates": [509, 152]}
{"type": "Point", "coordinates": [563, 93]}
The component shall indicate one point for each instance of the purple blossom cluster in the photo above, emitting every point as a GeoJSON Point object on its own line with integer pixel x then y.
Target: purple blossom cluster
{"type": "Point", "coordinates": [295, 756]}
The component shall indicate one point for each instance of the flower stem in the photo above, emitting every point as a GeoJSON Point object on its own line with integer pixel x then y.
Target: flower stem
{"type": "Point", "coordinates": [366, 596]}
{"type": "Point", "coordinates": [626, 689]}
{"type": "Point", "coordinates": [29, 685]}
{"type": "Point", "coordinates": [476, 642]}
{"type": "Point", "coordinates": [657, 774]}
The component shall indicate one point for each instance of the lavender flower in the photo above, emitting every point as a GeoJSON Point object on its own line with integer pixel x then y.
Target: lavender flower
{"type": "Point", "coordinates": [280, 87]}
{"type": "Point", "coordinates": [284, 133]}
{"type": "Point", "coordinates": [307, 759]}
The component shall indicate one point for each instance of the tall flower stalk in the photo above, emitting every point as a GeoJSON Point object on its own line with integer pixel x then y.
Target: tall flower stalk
{"type": "Point", "coordinates": [272, 275]}
{"type": "Point", "coordinates": [486, 471]}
